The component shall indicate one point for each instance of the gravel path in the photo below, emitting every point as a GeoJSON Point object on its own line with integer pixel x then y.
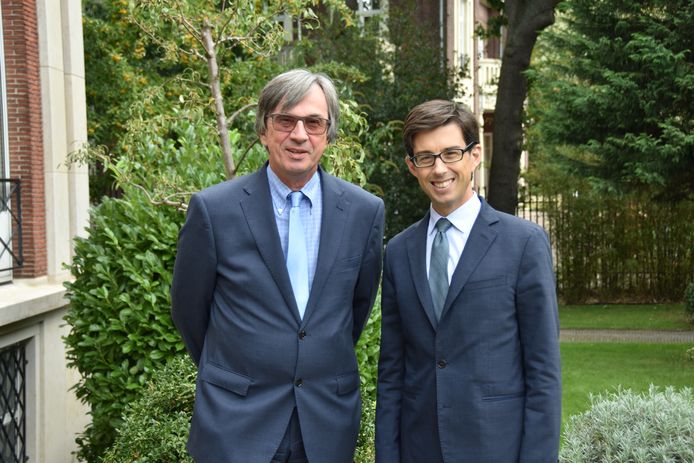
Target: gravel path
{"type": "Point", "coordinates": [627, 336]}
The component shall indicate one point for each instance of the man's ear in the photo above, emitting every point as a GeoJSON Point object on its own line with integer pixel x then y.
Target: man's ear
{"type": "Point", "coordinates": [410, 165]}
{"type": "Point", "coordinates": [476, 154]}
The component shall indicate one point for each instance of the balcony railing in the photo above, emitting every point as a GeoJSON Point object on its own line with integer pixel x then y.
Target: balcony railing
{"type": "Point", "coordinates": [11, 251]}
{"type": "Point", "coordinates": [488, 80]}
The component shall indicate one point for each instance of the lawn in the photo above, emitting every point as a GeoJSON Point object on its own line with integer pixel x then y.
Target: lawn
{"type": "Point", "coordinates": [597, 367]}
{"type": "Point", "coordinates": [625, 317]}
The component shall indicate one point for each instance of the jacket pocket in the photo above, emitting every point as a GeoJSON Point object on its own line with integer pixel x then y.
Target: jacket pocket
{"type": "Point", "coordinates": [488, 283]}
{"type": "Point", "coordinates": [226, 379]}
{"type": "Point", "coordinates": [347, 383]}
{"type": "Point", "coordinates": [499, 397]}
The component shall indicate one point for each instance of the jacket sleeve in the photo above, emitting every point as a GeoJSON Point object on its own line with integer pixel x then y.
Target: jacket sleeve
{"type": "Point", "coordinates": [194, 277]}
{"type": "Point", "coordinates": [369, 274]}
{"type": "Point", "coordinates": [390, 374]}
{"type": "Point", "coordinates": [539, 334]}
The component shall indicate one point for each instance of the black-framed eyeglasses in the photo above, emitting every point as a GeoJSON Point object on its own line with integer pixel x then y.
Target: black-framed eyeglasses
{"type": "Point", "coordinates": [313, 125]}
{"type": "Point", "coordinates": [448, 156]}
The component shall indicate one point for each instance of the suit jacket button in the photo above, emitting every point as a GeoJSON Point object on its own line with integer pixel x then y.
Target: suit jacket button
{"type": "Point", "coordinates": [302, 334]}
{"type": "Point", "coordinates": [299, 382]}
{"type": "Point", "coordinates": [442, 364]}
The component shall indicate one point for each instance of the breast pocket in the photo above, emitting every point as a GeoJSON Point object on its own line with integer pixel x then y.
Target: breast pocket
{"type": "Point", "coordinates": [350, 264]}
{"type": "Point", "coordinates": [486, 283]}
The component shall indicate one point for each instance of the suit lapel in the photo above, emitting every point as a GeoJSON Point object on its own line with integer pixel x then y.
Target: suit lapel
{"type": "Point", "coordinates": [481, 237]}
{"type": "Point", "coordinates": [258, 210]}
{"type": "Point", "coordinates": [417, 254]}
{"type": "Point", "coordinates": [333, 224]}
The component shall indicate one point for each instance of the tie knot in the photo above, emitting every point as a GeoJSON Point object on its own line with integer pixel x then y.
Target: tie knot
{"type": "Point", "coordinates": [443, 225]}
{"type": "Point", "coordinates": [295, 197]}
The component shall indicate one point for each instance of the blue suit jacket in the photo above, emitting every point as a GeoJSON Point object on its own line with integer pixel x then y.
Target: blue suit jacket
{"type": "Point", "coordinates": [233, 304]}
{"type": "Point", "coordinates": [483, 384]}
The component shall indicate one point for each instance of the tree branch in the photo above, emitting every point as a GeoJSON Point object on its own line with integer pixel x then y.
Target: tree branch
{"type": "Point", "coordinates": [238, 112]}
{"type": "Point", "coordinates": [243, 156]}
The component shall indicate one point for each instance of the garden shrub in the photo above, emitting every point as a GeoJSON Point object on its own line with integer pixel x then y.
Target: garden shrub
{"type": "Point", "coordinates": [119, 314]}
{"type": "Point", "coordinates": [623, 426]}
{"type": "Point", "coordinates": [155, 427]}
{"type": "Point", "coordinates": [689, 301]}
{"type": "Point", "coordinates": [367, 351]}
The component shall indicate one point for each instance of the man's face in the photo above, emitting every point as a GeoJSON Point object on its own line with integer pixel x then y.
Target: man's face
{"type": "Point", "coordinates": [448, 186]}
{"type": "Point", "coordinates": [294, 156]}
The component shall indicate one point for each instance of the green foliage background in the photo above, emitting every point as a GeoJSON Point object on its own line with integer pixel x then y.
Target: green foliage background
{"type": "Point", "coordinates": [611, 97]}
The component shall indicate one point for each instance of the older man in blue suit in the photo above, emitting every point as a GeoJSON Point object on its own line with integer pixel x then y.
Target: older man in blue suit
{"type": "Point", "coordinates": [469, 366]}
{"type": "Point", "coordinates": [275, 276]}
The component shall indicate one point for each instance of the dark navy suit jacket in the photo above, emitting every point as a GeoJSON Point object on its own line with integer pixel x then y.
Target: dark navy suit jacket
{"type": "Point", "coordinates": [483, 384]}
{"type": "Point", "coordinates": [233, 304]}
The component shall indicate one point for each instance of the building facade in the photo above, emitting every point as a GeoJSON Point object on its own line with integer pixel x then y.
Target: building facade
{"type": "Point", "coordinates": [44, 203]}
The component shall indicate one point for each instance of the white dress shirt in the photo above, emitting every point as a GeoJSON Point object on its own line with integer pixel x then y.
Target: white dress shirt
{"type": "Point", "coordinates": [462, 220]}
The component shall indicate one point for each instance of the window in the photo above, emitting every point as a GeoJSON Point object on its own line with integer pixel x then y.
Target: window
{"type": "Point", "coordinates": [13, 403]}
{"type": "Point", "coordinates": [367, 9]}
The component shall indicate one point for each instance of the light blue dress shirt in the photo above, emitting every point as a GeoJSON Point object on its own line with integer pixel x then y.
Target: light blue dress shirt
{"type": "Point", "coordinates": [311, 210]}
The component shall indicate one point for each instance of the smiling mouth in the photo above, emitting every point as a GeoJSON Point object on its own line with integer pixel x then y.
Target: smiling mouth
{"type": "Point", "coordinates": [442, 184]}
{"type": "Point", "coordinates": [297, 152]}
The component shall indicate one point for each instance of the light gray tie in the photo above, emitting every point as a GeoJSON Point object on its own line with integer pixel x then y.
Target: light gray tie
{"type": "Point", "coordinates": [297, 255]}
{"type": "Point", "coordinates": [438, 266]}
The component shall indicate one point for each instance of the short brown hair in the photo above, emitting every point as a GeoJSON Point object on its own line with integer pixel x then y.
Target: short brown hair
{"type": "Point", "coordinates": [437, 113]}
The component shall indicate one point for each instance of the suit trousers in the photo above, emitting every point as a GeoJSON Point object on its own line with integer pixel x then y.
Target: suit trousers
{"type": "Point", "coordinates": [291, 449]}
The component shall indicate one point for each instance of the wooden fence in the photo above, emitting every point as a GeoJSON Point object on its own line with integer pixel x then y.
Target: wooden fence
{"type": "Point", "coordinates": [609, 249]}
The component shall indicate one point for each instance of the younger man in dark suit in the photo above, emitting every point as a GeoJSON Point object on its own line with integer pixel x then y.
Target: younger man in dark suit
{"type": "Point", "coordinates": [275, 275]}
{"type": "Point", "coordinates": [469, 367]}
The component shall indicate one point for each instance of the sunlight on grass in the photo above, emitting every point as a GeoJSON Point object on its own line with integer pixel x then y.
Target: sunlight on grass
{"type": "Point", "coordinates": [597, 367]}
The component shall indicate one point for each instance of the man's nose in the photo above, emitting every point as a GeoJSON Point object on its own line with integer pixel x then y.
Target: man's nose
{"type": "Point", "coordinates": [439, 165]}
{"type": "Point", "coordinates": [299, 131]}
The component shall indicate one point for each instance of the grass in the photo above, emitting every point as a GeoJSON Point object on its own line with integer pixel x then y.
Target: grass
{"type": "Point", "coordinates": [597, 367]}
{"type": "Point", "coordinates": [625, 317]}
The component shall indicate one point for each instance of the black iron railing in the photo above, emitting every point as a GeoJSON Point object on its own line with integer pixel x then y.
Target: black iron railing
{"type": "Point", "coordinates": [13, 403]}
{"type": "Point", "coordinates": [11, 210]}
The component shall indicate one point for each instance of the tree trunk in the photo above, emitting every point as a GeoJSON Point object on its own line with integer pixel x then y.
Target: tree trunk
{"type": "Point", "coordinates": [525, 21]}
{"type": "Point", "coordinates": [215, 88]}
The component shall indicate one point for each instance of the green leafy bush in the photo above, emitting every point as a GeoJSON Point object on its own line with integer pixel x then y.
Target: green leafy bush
{"type": "Point", "coordinates": [689, 301]}
{"type": "Point", "coordinates": [622, 426]}
{"type": "Point", "coordinates": [155, 427]}
{"type": "Point", "coordinates": [368, 349]}
{"type": "Point", "coordinates": [121, 329]}
{"type": "Point", "coordinates": [366, 451]}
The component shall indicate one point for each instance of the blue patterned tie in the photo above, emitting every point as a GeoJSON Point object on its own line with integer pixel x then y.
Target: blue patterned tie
{"type": "Point", "coordinates": [297, 254]}
{"type": "Point", "coordinates": [438, 266]}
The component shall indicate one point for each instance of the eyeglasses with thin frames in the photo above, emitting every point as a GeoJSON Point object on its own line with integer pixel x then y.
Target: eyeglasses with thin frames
{"type": "Point", "coordinates": [313, 125]}
{"type": "Point", "coordinates": [448, 156]}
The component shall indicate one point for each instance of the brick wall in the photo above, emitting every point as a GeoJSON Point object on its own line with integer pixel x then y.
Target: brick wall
{"type": "Point", "coordinates": [24, 123]}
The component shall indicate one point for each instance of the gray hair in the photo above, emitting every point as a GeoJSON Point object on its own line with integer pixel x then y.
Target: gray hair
{"type": "Point", "coordinates": [288, 89]}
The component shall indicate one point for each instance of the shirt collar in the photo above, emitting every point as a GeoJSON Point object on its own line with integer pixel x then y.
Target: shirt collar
{"type": "Point", "coordinates": [280, 191]}
{"type": "Point", "coordinates": [462, 218]}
